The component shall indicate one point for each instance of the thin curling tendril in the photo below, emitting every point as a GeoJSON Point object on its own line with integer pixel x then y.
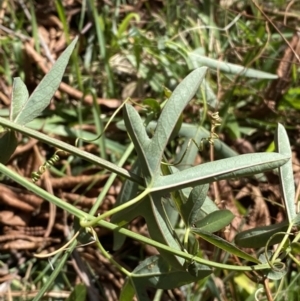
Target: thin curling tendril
{"type": "Point", "coordinates": [65, 247]}
{"type": "Point", "coordinates": [36, 175]}
{"type": "Point", "coordinates": [128, 99]}
{"type": "Point", "coordinates": [215, 122]}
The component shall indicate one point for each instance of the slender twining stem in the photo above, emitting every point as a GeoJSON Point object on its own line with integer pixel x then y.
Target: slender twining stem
{"type": "Point", "coordinates": [85, 216]}
{"type": "Point", "coordinates": [282, 243]}
{"type": "Point", "coordinates": [64, 247]}
{"type": "Point", "coordinates": [186, 238]}
{"type": "Point", "coordinates": [215, 122]}
{"type": "Point", "coordinates": [116, 209]}
{"type": "Point", "coordinates": [73, 150]}
{"type": "Point", "coordinates": [107, 124]}
{"type": "Point", "coordinates": [106, 254]}
{"type": "Point", "coordinates": [110, 180]}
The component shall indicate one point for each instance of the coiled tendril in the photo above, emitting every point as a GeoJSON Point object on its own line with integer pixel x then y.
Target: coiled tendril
{"type": "Point", "coordinates": [36, 175]}
{"type": "Point", "coordinates": [215, 122]}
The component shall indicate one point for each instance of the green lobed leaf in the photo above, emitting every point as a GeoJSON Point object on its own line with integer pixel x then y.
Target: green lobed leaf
{"type": "Point", "coordinates": [41, 96]}
{"type": "Point", "coordinates": [190, 210]}
{"type": "Point", "coordinates": [258, 237]}
{"type": "Point", "coordinates": [159, 228]}
{"type": "Point", "coordinates": [189, 149]}
{"type": "Point", "coordinates": [78, 293]}
{"type": "Point", "coordinates": [235, 167]}
{"type": "Point", "coordinates": [8, 144]}
{"type": "Point", "coordinates": [295, 248]}
{"type": "Point", "coordinates": [150, 152]}
{"type": "Point", "coordinates": [156, 272]}
{"type": "Point", "coordinates": [208, 205]}
{"type": "Point", "coordinates": [296, 220]}
{"type": "Point", "coordinates": [140, 290]}
{"type": "Point", "coordinates": [136, 130]}
{"type": "Point", "coordinates": [170, 210]}
{"type": "Point", "coordinates": [222, 150]}
{"type": "Point", "coordinates": [224, 245]}
{"type": "Point", "coordinates": [177, 128]}
{"type": "Point", "coordinates": [286, 174]}
{"type": "Point", "coordinates": [157, 221]}
{"type": "Point", "coordinates": [176, 196]}
{"type": "Point", "coordinates": [18, 98]}
{"type": "Point", "coordinates": [127, 291]}
{"type": "Point", "coordinates": [215, 221]}
{"type": "Point", "coordinates": [171, 113]}
{"type": "Point", "coordinates": [129, 191]}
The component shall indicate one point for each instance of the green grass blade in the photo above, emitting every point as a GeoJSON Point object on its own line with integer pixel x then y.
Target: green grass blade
{"type": "Point", "coordinates": [62, 16]}
{"type": "Point", "coordinates": [200, 60]}
{"type": "Point", "coordinates": [54, 274]}
{"type": "Point", "coordinates": [34, 25]}
{"type": "Point", "coordinates": [99, 21]}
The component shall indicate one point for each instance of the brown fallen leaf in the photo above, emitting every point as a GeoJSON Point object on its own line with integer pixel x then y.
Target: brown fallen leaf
{"type": "Point", "coordinates": [8, 217]}
{"type": "Point", "coordinates": [23, 242]}
{"type": "Point", "coordinates": [19, 199]}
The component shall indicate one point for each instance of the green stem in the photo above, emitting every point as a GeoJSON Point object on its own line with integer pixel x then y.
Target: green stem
{"type": "Point", "coordinates": [186, 238]}
{"type": "Point", "coordinates": [101, 217]}
{"type": "Point", "coordinates": [82, 215]}
{"type": "Point", "coordinates": [73, 150]}
{"type": "Point", "coordinates": [107, 255]}
{"type": "Point", "coordinates": [281, 245]}
{"type": "Point", "coordinates": [111, 179]}
{"type": "Point", "coordinates": [54, 274]}
{"type": "Point", "coordinates": [294, 259]}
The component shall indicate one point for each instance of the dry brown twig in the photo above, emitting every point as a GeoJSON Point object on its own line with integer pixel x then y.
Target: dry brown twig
{"type": "Point", "coordinates": [72, 92]}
